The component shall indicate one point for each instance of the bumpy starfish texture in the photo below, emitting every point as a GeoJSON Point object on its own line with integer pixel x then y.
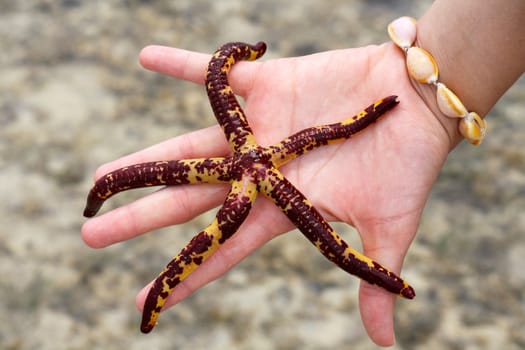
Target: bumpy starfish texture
{"type": "Point", "coordinates": [250, 170]}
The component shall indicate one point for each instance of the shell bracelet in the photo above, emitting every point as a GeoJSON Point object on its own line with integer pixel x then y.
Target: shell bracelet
{"type": "Point", "coordinates": [422, 68]}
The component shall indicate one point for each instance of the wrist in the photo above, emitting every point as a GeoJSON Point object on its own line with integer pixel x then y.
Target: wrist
{"type": "Point", "coordinates": [470, 77]}
{"type": "Point", "coordinates": [477, 46]}
{"type": "Point", "coordinates": [421, 99]}
{"type": "Point", "coordinates": [450, 125]}
{"type": "Point", "coordinates": [424, 74]}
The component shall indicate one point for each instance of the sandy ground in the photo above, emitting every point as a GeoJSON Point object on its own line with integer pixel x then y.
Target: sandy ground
{"type": "Point", "coordinates": [72, 96]}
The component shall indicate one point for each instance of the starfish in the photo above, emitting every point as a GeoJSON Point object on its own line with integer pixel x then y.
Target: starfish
{"type": "Point", "coordinates": [251, 169]}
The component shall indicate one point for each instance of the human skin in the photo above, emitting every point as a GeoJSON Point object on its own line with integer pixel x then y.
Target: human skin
{"type": "Point", "coordinates": [351, 182]}
{"type": "Point", "coordinates": [479, 48]}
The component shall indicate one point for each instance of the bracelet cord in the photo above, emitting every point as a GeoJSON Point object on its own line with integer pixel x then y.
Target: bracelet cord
{"type": "Point", "coordinates": [422, 69]}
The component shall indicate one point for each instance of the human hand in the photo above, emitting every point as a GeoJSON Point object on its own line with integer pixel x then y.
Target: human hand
{"type": "Point", "coordinates": [377, 182]}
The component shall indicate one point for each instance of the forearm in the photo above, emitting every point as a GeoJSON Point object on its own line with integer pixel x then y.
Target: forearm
{"type": "Point", "coordinates": [479, 47]}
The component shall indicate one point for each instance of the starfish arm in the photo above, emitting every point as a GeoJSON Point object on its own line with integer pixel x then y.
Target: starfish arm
{"type": "Point", "coordinates": [228, 219]}
{"type": "Point", "coordinates": [161, 173]}
{"type": "Point", "coordinates": [314, 137]}
{"type": "Point", "coordinates": [310, 222]}
{"type": "Point", "coordinates": [227, 110]}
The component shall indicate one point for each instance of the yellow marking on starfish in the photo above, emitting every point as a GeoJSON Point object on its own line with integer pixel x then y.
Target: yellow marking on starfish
{"type": "Point", "coordinates": [226, 91]}
{"type": "Point", "coordinates": [234, 111]}
{"type": "Point", "coordinates": [253, 55]}
{"type": "Point", "coordinates": [230, 60]}
{"type": "Point", "coordinates": [378, 103]}
{"type": "Point", "coordinates": [160, 178]}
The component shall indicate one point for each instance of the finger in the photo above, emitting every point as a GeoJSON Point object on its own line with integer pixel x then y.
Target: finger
{"type": "Point", "coordinates": [169, 206]}
{"type": "Point", "coordinates": [178, 63]}
{"type": "Point", "coordinates": [253, 233]}
{"type": "Point", "coordinates": [191, 66]}
{"type": "Point", "coordinates": [208, 142]}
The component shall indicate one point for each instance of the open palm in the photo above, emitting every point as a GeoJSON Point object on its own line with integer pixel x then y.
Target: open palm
{"type": "Point", "coordinates": [378, 181]}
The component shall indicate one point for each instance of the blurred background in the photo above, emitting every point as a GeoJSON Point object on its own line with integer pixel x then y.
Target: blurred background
{"type": "Point", "coordinates": [73, 96]}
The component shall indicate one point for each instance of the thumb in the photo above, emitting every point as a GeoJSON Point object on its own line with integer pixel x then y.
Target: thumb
{"type": "Point", "coordinates": [376, 304]}
{"type": "Point", "coordinates": [377, 310]}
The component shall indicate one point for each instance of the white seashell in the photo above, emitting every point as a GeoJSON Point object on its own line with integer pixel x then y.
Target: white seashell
{"type": "Point", "coordinates": [421, 65]}
{"type": "Point", "coordinates": [402, 31]}
{"type": "Point", "coordinates": [448, 103]}
{"type": "Point", "coordinates": [473, 128]}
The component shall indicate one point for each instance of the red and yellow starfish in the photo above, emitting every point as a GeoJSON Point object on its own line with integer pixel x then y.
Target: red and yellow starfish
{"type": "Point", "coordinates": [250, 170]}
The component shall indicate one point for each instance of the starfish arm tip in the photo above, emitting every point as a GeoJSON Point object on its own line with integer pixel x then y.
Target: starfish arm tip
{"type": "Point", "coordinates": [93, 205]}
{"type": "Point", "coordinates": [408, 292]}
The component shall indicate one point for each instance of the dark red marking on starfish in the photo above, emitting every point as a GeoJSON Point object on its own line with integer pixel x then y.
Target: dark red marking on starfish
{"type": "Point", "coordinates": [250, 169]}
